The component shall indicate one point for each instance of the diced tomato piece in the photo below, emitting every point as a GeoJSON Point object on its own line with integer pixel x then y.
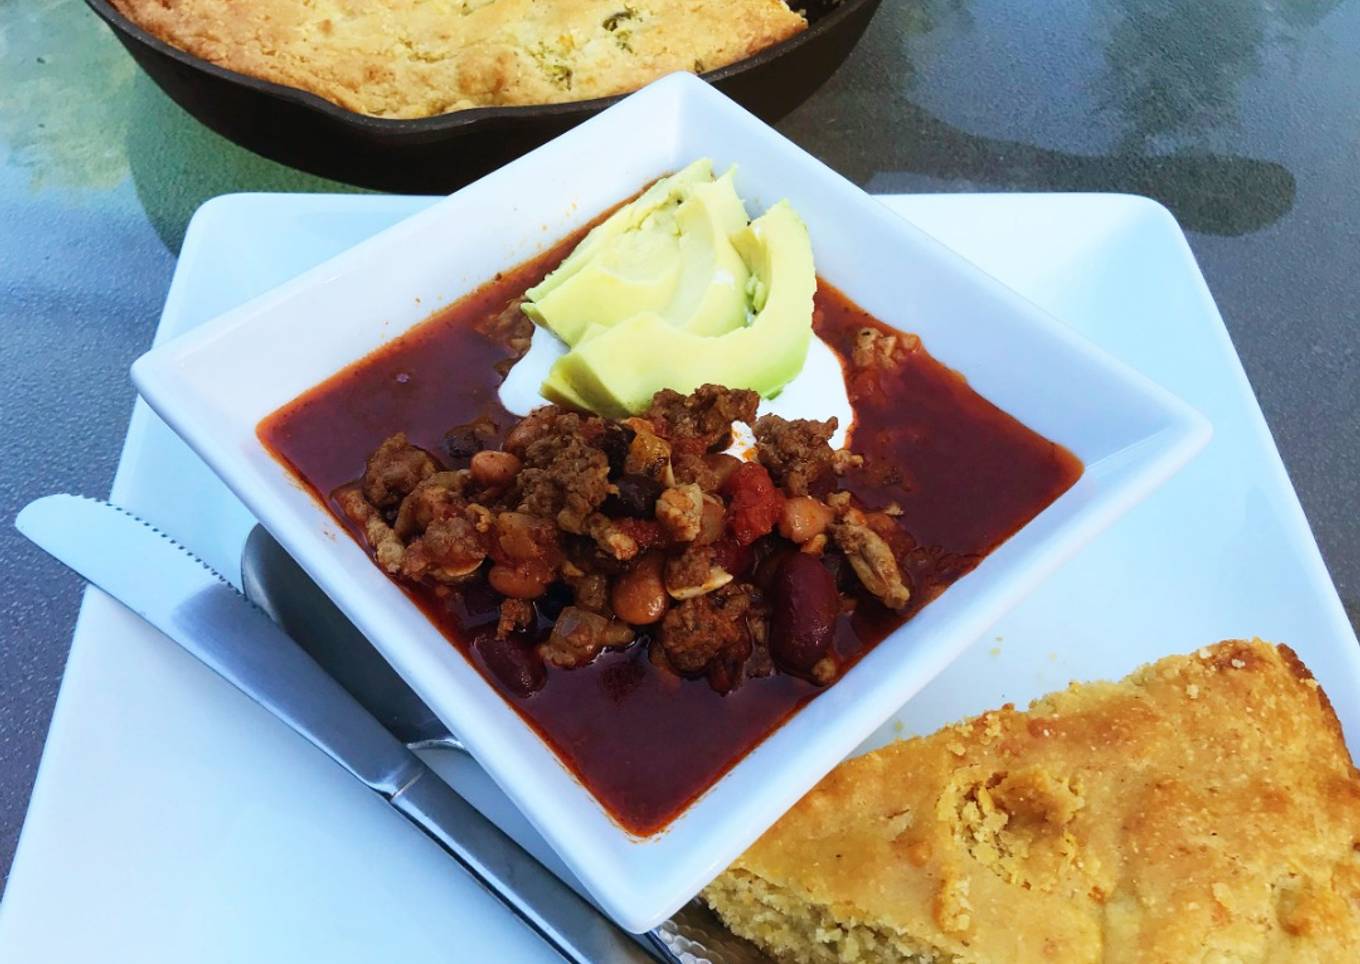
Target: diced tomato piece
{"type": "Point", "coordinates": [754, 504]}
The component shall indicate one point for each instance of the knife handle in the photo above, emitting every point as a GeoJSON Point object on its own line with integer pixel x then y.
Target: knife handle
{"type": "Point", "coordinates": [556, 913]}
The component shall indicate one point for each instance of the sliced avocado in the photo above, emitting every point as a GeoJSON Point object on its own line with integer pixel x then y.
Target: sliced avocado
{"type": "Point", "coordinates": [556, 389]}
{"type": "Point", "coordinates": [670, 253]}
{"type": "Point", "coordinates": [560, 393]}
{"type": "Point", "coordinates": [615, 371]}
{"type": "Point", "coordinates": [711, 296]}
{"type": "Point", "coordinates": [634, 272]}
{"type": "Point", "coordinates": [664, 191]}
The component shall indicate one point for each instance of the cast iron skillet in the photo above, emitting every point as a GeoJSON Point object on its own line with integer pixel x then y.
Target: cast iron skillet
{"type": "Point", "coordinates": [437, 154]}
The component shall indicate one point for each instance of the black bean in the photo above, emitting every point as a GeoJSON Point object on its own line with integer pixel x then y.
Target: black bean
{"type": "Point", "coordinates": [462, 442]}
{"type": "Point", "coordinates": [558, 597]}
{"type": "Point", "coordinates": [636, 498]}
{"type": "Point", "coordinates": [614, 443]}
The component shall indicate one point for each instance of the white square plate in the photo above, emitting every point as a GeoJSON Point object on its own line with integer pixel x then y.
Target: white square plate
{"type": "Point", "coordinates": [214, 385]}
{"type": "Point", "coordinates": [186, 824]}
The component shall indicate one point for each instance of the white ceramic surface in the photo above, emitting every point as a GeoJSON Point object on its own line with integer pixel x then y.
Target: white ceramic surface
{"type": "Point", "coordinates": [182, 823]}
{"type": "Point", "coordinates": [214, 384]}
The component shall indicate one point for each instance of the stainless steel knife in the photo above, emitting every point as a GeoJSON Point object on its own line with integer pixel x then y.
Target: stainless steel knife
{"type": "Point", "coordinates": [181, 596]}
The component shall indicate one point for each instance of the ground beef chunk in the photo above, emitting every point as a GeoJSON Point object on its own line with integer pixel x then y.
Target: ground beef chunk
{"type": "Point", "coordinates": [516, 615]}
{"type": "Point", "coordinates": [797, 452]}
{"type": "Point", "coordinates": [578, 636]}
{"type": "Point", "coordinates": [394, 470]}
{"type": "Point", "coordinates": [564, 478]}
{"type": "Point", "coordinates": [873, 562]}
{"type": "Point", "coordinates": [695, 571]}
{"type": "Point", "coordinates": [387, 548]}
{"type": "Point", "coordinates": [590, 592]}
{"type": "Point", "coordinates": [448, 551]}
{"type": "Point", "coordinates": [690, 468]}
{"type": "Point", "coordinates": [709, 471]}
{"type": "Point", "coordinates": [680, 511]}
{"type": "Point", "coordinates": [549, 420]}
{"type": "Point", "coordinates": [705, 415]}
{"type": "Point", "coordinates": [512, 329]}
{"type": "Point", "coordinates": [437, 497]}
{"type": "Point", "coordinates": [712, 634]}
{"type": "Point", "coordinates": [612, 537]}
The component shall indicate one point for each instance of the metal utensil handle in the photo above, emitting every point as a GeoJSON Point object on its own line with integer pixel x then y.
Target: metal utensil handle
{"type": "Point", "coordinates": [555, 911]}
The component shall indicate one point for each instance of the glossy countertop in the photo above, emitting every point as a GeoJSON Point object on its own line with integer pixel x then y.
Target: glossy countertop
{"type": "Point", "coordinates": [1241, 116]}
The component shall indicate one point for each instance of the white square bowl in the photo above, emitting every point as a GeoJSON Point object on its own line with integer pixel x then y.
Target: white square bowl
{"type": "Point", "coordinates": [214, 384]}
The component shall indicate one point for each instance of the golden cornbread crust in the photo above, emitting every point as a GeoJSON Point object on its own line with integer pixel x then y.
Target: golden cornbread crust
{"type": "Point", "coordinates": [1204, 809]}
{"type": "Point", "coordinates": [418, 58]}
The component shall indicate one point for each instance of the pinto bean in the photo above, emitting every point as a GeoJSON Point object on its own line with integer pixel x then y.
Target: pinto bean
{"type": "Point", "coordinates": [494, 468]}
{"type": "Point", "coordinates": [519, 582]}
{"type": "Point", "coordinates": [804, 518]}
{"type": "Point", "coordinates": [639, 596]}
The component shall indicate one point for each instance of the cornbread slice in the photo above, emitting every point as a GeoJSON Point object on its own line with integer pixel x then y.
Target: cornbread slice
{"type": "Point", "coordinates": [417, 58]}
{"type": "Point", "coordinates": [1204, 809]}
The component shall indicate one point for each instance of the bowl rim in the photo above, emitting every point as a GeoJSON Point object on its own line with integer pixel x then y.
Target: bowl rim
{"type": "Point", "coordinates": [464, 119]}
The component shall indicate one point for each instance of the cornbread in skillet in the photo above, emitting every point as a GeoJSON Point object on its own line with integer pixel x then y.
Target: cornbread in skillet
{"type": "Point", "coordinates": [1204, 809]}
{"type": "Point", "coordinates": [418, 58]}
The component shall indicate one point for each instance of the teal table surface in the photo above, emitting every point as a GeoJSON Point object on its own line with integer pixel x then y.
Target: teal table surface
{"type": "Point", "coordinates": [1241, 116]}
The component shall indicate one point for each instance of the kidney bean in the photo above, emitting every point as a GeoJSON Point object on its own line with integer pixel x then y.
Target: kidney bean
{"type": "Point", "coordinates": [516, 664]}
{"type": "Point", "coordinates": [804, 606]}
